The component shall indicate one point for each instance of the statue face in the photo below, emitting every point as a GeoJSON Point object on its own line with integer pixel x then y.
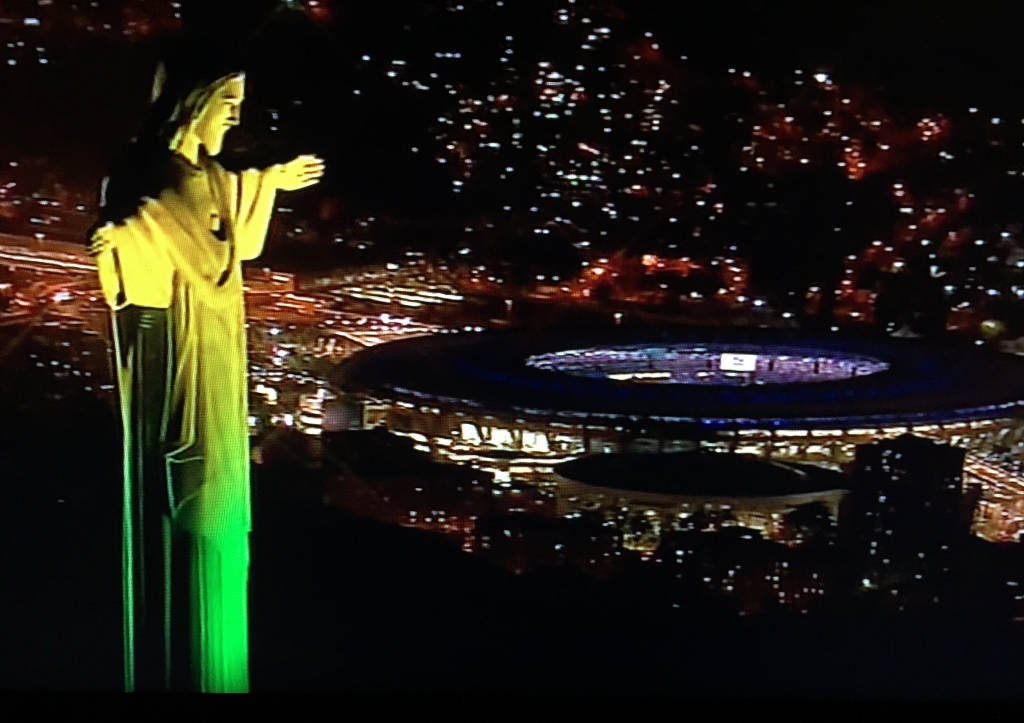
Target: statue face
{"type": "Point", "coordinates": [221, 112]}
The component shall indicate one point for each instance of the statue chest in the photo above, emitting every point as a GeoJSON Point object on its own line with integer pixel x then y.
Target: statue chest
{"type": "Point", "coordinates": [207, 205]}
{"type": "Point", "coordinates": [209, 227]}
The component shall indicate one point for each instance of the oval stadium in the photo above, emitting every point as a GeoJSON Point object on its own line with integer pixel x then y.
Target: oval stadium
{"type": "Point", "coordinates": [520, 402]}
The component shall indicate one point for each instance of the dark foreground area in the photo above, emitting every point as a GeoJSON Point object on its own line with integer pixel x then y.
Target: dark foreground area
{"type": "Point", "coordinates": [344, 604]}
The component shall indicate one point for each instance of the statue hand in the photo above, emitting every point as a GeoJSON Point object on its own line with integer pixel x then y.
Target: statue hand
{"type": "Point", "coordinates": [300, 172]}
{"type": "Point", "coordinates": [99, 243]}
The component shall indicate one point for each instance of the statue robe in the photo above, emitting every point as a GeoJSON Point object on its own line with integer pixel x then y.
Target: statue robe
{"type": "Point", "coordinates": [183, 251]}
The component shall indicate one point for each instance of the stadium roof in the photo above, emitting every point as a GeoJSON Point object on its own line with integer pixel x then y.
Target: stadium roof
{"type": "Point", "coordinates": [925, 382]}
{"type": "Point", "coordinates": [701, 474]}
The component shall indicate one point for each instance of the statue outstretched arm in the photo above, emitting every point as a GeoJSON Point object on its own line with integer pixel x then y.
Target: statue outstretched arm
{"type": "Point", "coordinates": [255, 191]}
{"type": "Point", "coordinates": [254, 194]}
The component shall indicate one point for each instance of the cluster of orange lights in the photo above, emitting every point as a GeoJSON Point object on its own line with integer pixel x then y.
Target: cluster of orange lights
{"type": "Point", "coordinates": [856, 165]}
{"type": "Point", "coordinates": [931, 129]}
{"type": "Point", "coordinates": [863, 137]}
{"type": "Point", "coordinates": [627, 283]}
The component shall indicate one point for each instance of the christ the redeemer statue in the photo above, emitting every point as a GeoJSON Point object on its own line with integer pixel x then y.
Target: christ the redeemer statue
{"type": "Point", "coordinates": [174, 229]}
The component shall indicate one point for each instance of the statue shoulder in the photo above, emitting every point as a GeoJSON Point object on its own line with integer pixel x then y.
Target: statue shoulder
{"type": "Point", "coordinates": [220, 175]}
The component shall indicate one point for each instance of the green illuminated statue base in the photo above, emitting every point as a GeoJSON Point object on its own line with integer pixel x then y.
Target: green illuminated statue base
{"type": "Point", "coordinates": [185, 594]}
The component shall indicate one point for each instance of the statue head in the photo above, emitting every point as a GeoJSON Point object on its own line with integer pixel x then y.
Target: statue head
{"type": "Point", "coordinates": [206, 114]}
{"type": "Point", "coordinates": [192, 106]}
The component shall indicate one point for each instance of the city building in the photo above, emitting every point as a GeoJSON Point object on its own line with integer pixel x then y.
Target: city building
{"type": "Point", "coordinates": [735, 565]}
{"type": "Point", "coordinates": [909, 517]}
